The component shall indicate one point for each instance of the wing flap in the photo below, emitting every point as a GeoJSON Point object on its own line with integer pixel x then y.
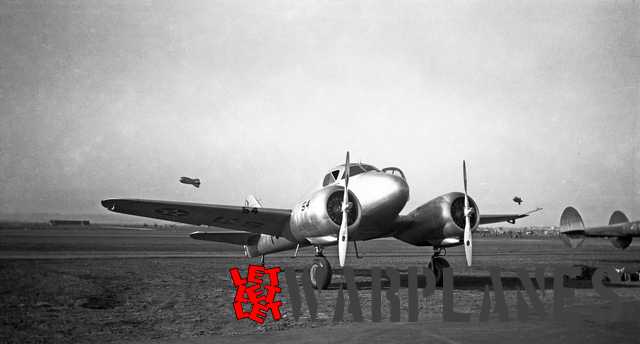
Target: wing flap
{"type": "Point", "coordinates": [237, 238]}
{"type": "Point", "coordinates": [249, 219]}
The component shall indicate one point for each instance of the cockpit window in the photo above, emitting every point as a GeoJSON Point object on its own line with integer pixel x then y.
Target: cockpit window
{"type": "Point", "coordinates": [394, 171]}
{"type": "Point", "coordinates": [328, 179]}
{"type": "Point", "coordinates": [368, 167]}
{"type": "Point", "coordinates": [354, 170]}
{"type": "Point", "coordinates": [335, 174]}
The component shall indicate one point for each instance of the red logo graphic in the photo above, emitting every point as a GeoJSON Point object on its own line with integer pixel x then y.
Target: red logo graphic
{"type": "Point", "coordinates": [255, 292]}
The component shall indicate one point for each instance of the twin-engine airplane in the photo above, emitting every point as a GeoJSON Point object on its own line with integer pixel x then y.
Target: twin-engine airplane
{"type": "Point", "coordinates": [620, 230]}
{"type": "Point", "coordinates": [356, 202]}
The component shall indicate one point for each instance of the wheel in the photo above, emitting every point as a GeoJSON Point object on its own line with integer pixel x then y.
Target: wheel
{"type": "Point", "coordinates": [436, 265]}
{"type": "Point", "coordinates": [320, 273]}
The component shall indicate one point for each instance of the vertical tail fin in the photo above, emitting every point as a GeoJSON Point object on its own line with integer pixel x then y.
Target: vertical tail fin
{"type": "Point", "coordinates": [618, 217]}
{"type": "Point", "coordinates": [252, 201]}
{"type": "Point", "coordinates": [572, 227]}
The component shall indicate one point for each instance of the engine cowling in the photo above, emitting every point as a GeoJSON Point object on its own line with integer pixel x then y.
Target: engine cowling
{"type": "Point", "coordinates": [439, 222]}
{"type": "Point", "coordinates": [321, 214]}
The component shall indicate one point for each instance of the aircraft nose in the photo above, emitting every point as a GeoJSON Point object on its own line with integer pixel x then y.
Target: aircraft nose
{"type": "Point", "coordinates": [394, 192]}
{"type": "Point", "coordinates": [382, 193]}
{"type": "Point", "coordinates": [398, 188]}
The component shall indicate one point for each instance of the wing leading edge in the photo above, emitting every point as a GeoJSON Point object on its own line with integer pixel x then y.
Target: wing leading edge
{"type": "Point", "coordinates": [249, 219]}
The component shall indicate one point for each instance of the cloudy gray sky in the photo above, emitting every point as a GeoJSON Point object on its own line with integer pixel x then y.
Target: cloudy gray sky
{"type": "Point", "coordinates": [120, 98]}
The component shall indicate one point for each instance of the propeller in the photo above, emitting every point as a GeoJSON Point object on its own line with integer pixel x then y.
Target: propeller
{"type": "Point", "coordinates": [468, 244]}
{"type": "Point", "coordinates": [343, 236]}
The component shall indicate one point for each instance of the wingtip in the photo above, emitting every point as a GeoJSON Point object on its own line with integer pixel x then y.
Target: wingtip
{"type": "Point", "coordinates": [109, 204]}
{"type": "Point", "coordinates": [196, 235]}
{"type": "Point", "coordinates": [532, 211]}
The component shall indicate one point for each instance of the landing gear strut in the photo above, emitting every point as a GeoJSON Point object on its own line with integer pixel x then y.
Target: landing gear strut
{"type": "Point", "coordinates": [320, 271]}
{"type": "Point", "coordinates": [437, 264]}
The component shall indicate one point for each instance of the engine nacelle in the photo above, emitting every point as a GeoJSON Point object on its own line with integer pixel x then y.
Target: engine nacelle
{"type": "Point", "coordinates": [321, 214]}
{"type": "Point", "coordinates": [265, 244]}
{"type": "Point", "coordinates": [621, 242]}
{"type": "Point", "coordinates": [439, 220]}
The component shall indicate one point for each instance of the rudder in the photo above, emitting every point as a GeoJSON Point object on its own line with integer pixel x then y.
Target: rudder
{"type": "Point", "coordinates": [252, 201]}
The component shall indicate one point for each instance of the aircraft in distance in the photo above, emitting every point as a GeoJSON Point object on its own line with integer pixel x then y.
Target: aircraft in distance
{"type": "Point", "coordinates": [620, 230]}
{"type": "Point", "coordinates": [518, 200]}
{"type": "Point", "coordinates": [356, 202]}
{"type": "Point", "coordinates": [186, 180]}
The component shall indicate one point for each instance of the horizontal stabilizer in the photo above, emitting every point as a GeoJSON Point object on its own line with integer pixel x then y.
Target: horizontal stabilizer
{"type": "Point", "coordinates": [237, 238]}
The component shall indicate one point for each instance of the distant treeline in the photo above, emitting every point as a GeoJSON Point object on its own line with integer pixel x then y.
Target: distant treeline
{"type": "Point", "coordinates": [548, 232]}
{"type": "Point", "coordinates": [482, 232]}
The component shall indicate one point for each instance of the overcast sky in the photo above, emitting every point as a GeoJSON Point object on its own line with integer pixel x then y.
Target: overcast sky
{"type": "Point", "coordinates": [104, 99]}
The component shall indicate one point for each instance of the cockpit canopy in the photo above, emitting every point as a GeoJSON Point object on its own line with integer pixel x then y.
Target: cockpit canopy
{"type": "Point", "coordinates": [337, 172]}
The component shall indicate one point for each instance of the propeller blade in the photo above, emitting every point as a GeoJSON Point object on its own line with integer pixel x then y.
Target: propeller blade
{"type": "Point", "coordinates": [342, 243]}
{"type": "Point", "coordinates": [343, 236]}
{"type": "Point", "coordinates": [464, 176]}
{"type": "Point", "coordinates": [468, 242]}
{"type": "Point", "coordinates": [346, 173]}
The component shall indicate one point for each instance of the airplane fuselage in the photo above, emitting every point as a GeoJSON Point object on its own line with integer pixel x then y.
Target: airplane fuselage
{"type": "Point", "coordinates": [630, 229]}
{"type": "Point", "coordinates": [376, 200]}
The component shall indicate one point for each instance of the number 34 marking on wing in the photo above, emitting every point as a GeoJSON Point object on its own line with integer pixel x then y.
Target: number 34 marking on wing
{"type": "Point", "coordinates": [246, 210]}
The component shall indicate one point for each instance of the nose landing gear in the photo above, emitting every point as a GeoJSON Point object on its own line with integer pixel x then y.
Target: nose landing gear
{"type": "Point", "coordinates": [320, 271]}
{"type": "Point", "coordinates": [437, 264]}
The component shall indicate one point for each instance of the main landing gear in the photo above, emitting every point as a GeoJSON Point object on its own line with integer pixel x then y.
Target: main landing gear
{"type": "Point", "coordinates": [320, 271]}
{"type": "Point", "coordinates": [437, 264]}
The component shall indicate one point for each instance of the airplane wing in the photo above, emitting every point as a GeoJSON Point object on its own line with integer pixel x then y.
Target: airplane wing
{"type": "Point", "coordinates": [249, 219]}
{"type": "Point", "coordinates": [403, 222]}
{"type": "Point", "coordinates": [511, 218]}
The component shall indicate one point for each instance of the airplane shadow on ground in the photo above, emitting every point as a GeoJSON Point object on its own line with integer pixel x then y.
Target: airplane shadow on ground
{"type": "Point", "coordinates": [462, 282]}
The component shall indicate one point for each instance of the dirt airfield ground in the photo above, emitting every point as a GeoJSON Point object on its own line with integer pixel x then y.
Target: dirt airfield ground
{"type": "Point", "coordinates": [107, 284]}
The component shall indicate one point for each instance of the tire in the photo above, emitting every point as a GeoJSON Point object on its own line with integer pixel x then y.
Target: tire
{"type": "Point", "coordinates": [320, 273]}
{"type": "Point", "coordinates": [436, 265]}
